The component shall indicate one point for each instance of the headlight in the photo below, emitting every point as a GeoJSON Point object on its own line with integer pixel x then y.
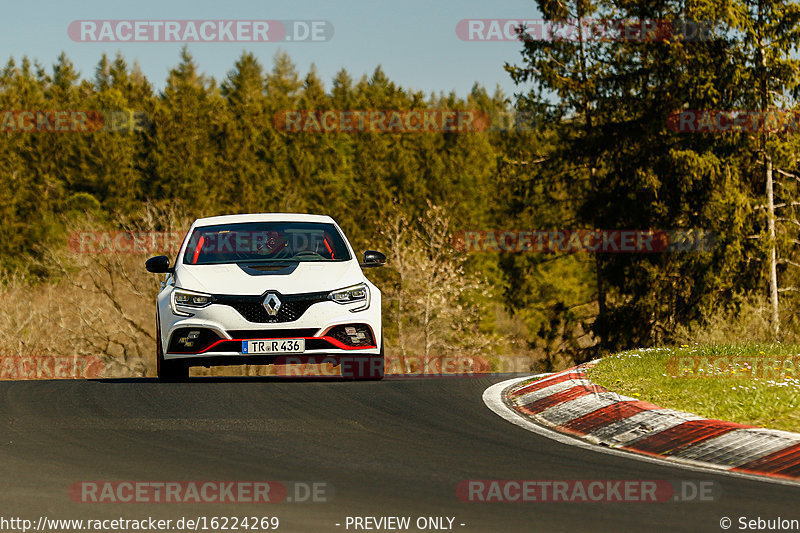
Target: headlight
{"type": "Point", "coordinates": [356, 293]}
{"type": "Point", "coordinates": [189, 299]}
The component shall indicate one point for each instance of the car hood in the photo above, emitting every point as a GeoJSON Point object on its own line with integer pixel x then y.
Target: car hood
{"type": "Point", "coordinates": [233, 279]}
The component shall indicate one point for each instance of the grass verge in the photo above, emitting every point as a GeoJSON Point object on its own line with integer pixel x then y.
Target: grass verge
{"type": "Point", "coordinates": [757, 385]}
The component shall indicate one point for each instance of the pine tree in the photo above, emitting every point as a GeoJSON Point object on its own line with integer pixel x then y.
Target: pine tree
{"type": "Point", "coordinates": [189, 120]}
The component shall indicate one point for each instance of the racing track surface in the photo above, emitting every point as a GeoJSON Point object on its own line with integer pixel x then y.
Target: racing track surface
{"type": "Point", "coordinates": [396, 447]}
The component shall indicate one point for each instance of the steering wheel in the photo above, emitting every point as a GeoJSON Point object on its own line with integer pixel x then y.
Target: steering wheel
{"type": "Point", "coordinates": [305, 252]}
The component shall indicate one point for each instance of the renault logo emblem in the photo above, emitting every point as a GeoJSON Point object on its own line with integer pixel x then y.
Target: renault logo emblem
{"type": "Point", "coordinates": [272, 304]}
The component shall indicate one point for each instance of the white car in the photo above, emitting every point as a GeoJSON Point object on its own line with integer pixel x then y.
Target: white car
{"type": "Point", "coordinates": [270, 288]}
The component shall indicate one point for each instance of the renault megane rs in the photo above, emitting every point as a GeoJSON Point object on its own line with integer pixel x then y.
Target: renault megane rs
{"type": "Point", "coordinates": [268, 288]}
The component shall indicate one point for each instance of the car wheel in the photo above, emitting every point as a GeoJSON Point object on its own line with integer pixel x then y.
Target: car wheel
{"type": "Point", "coordinates": [168, 371]}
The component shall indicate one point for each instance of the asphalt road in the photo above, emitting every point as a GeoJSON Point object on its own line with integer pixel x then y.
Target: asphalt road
{"type": "Point", "coordinates": [397, 447]}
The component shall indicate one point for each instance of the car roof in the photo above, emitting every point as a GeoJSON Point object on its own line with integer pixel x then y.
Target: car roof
{"type": "Point", "coordinates": [262, 217]}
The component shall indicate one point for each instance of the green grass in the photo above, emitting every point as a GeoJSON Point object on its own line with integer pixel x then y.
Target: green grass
{"type": "Point", "coordinates": [758, 385]}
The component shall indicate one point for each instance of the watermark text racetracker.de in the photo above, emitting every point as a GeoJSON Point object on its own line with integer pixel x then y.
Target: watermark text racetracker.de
{"type": "Point", "coordinates": [399, 367]}
{"type": "Point", "coordinates": [587, 491]}
{"type": "Point", "coordinates": [734, 121]}
{"type": "Point", "coordinates": [586, 30]}
{"type": "Point", "coordinates": [73, 121]}
{"type": "Point", "coordinates": [209, 491]}
{"type": "Point", "coordinates": [140, 242]}
{"type": "Point", "coordinates": [40, 366]}
{"type": "Point", "coordinates": [405, 120]}
{"type": "Point", "coordinates": [583, 240]}
{"type": "Point", "coordinates": [208, 31]}
{"type": "Point", "coordinates": [123, 242]}
{"type": "Point", "coordinates": [763, 367]}
{"type": "Point", "coordinates": [410, 366]}
{"type": "Point", "coordinates": [382, 121]}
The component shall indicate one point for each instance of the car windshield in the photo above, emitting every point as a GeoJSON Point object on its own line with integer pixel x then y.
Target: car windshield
{"type": "Point", "coordinates": [256, 242]}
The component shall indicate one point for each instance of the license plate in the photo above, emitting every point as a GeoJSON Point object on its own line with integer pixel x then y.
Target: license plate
{"type": "Point", "coordinates": [269, 346]}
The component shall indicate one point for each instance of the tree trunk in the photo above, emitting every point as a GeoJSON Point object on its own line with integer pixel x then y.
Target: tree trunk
{"type": "Point", "coordinates": [588, 125]}
{"type": "Point", "coordinates": [773, 253]}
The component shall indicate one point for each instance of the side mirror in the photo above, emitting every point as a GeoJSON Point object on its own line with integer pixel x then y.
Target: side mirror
{"type": "Point", "coordinates": [158, 265]}
{"type": "Point", "coordinates": [373, 259]}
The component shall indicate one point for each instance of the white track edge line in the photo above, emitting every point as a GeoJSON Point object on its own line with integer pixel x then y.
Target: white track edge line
{"type": "Point", "coordinates": [493, 399]}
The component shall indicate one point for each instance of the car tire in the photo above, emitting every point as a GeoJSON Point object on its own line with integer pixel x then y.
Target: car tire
{"type": "Point", "coordinates": [168, 371]}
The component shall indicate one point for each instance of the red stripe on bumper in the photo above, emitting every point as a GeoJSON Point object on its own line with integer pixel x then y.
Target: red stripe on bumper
{"type": "Point", "coordinates": [336, 343]}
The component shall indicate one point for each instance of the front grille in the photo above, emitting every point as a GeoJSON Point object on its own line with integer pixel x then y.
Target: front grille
{"type": "Point", "coordinates": [272, 333]}
{"type": "Point", "coordinates": [255, 312]}
{"type": "Point", "coordinates": [252, 307]}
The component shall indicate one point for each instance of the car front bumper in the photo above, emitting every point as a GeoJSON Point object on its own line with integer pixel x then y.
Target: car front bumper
{"type": "Point", "coordinates": [316, 326]}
